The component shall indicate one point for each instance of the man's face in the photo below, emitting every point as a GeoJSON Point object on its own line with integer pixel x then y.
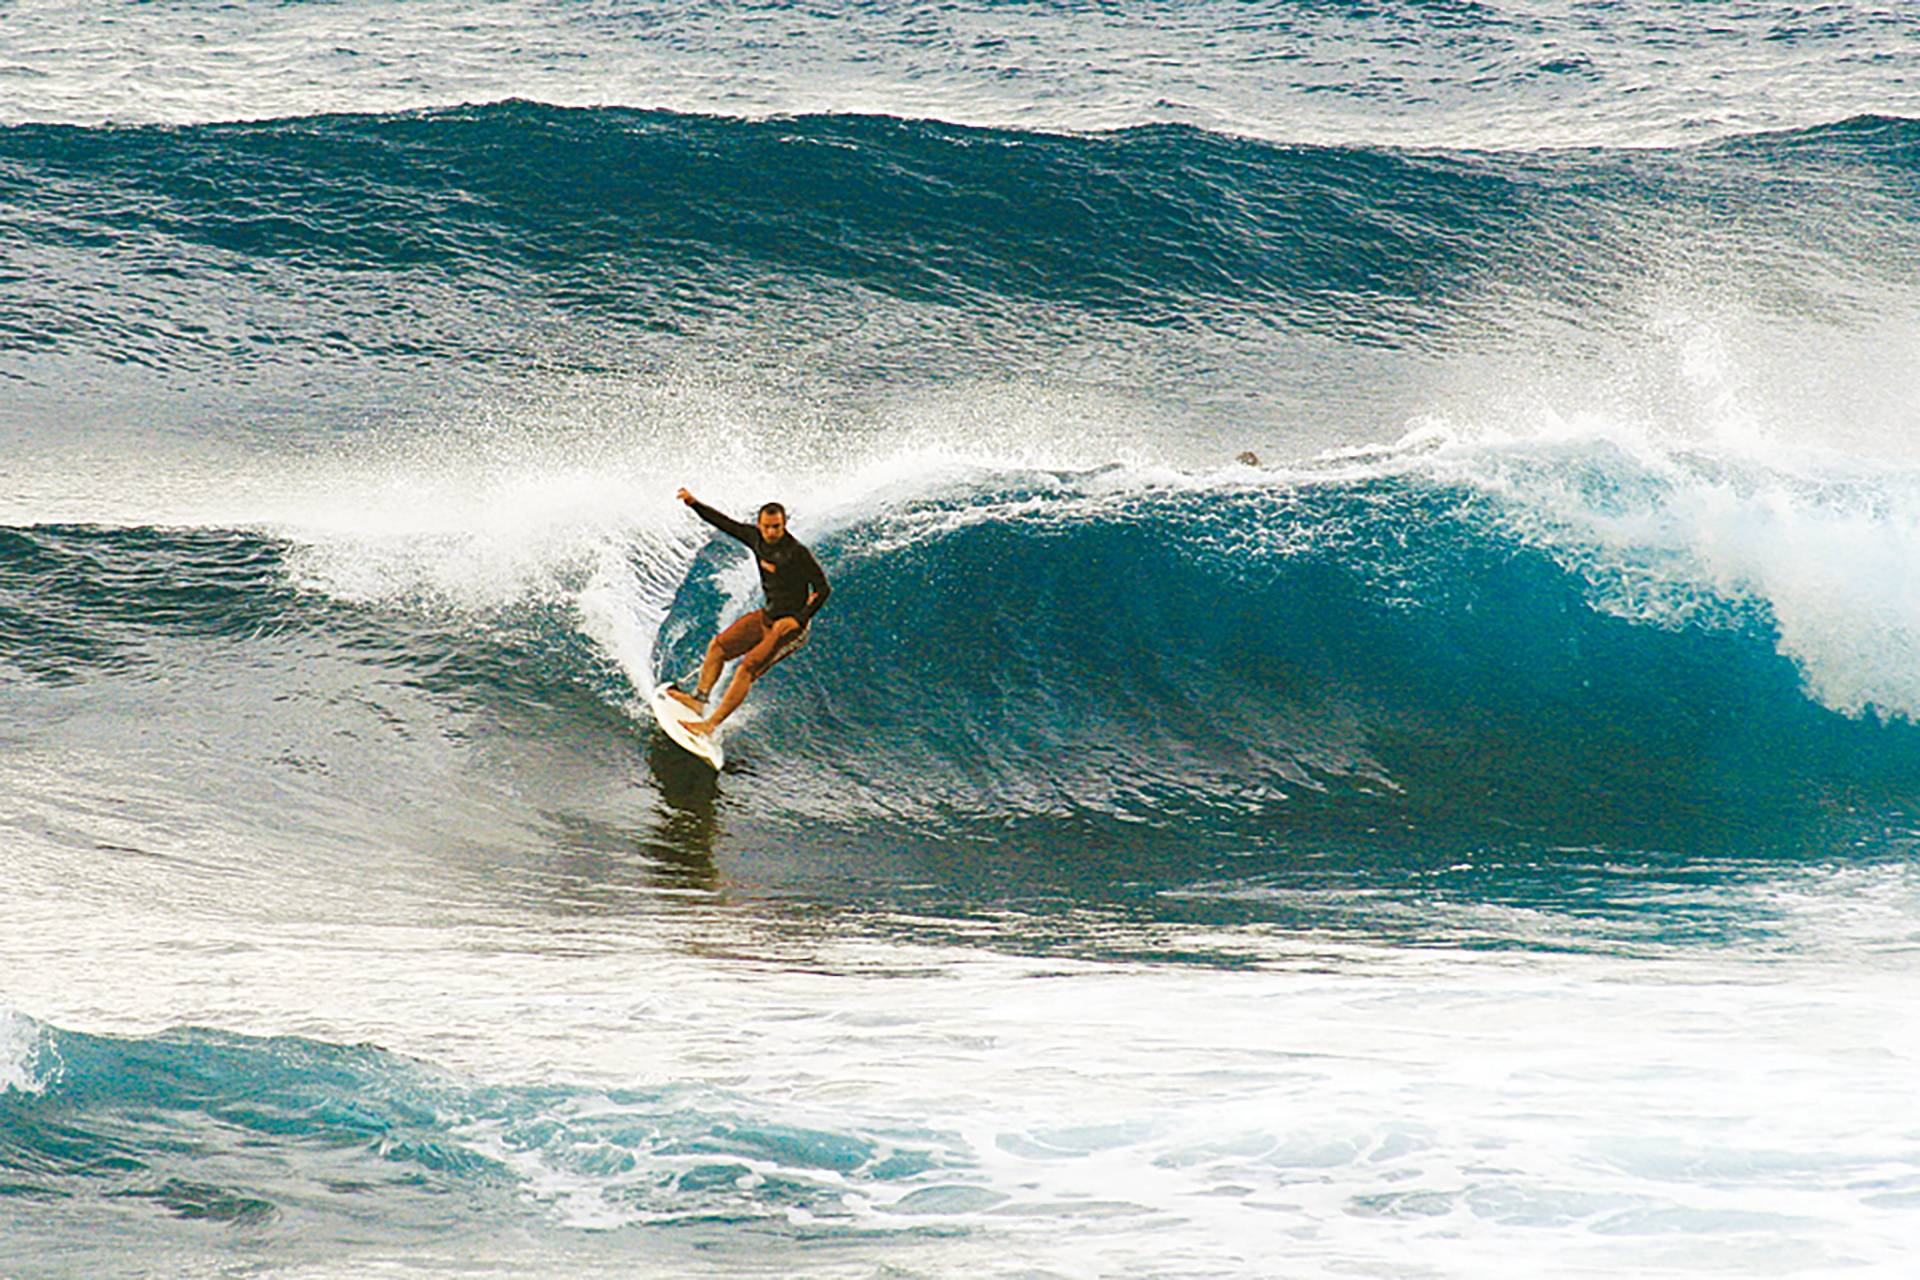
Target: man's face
{"type": "Point", "coordinates": [773, 527]}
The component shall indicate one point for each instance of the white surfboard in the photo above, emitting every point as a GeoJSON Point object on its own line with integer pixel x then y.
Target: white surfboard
{"type": "Point", "coordinates": [673, 716]}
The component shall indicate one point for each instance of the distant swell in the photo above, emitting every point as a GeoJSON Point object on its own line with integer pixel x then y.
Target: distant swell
{"type": "Point", "coordinates": [167, 247]}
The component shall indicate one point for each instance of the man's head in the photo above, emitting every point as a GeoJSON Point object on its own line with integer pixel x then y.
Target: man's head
{"type": "Point", "coordinates": [773, 522]}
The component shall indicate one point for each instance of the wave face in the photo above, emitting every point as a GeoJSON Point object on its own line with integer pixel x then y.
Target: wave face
{"type": "Point", "coordinates": [1235, 662]}
{"type": "Point", "coordinates": [1444, 645]}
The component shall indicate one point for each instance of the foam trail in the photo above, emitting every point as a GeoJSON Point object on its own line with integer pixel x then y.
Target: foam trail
{"type": "Point", "coordinates": [625, 602]}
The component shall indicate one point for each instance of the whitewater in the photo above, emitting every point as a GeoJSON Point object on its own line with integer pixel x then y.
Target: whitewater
{"type": "Point", "coordinates": [1367, 723]}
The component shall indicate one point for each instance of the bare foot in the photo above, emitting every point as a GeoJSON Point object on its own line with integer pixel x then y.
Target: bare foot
{"type": "Point", "coordinates": [687, 700]}
{"type": "Point", "coordinates": [699, 727]}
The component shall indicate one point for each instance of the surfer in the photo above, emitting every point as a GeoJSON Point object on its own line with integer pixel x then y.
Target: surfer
{"type": "Point", "coordinates": [795, 589]}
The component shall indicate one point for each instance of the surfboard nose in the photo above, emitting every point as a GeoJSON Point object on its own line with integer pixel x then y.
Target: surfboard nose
{"type": "Point", "coordinates": [673, 717]}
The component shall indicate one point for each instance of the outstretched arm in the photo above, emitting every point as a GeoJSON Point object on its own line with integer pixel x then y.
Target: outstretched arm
{"type": "Point", "coordinates": [726, 524]}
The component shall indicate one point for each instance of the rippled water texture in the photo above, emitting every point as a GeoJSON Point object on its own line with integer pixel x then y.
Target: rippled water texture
{"type": "Point", "coordinates": [1484, 75]}
{"type": "Point", "coordinates": [1471, 836]}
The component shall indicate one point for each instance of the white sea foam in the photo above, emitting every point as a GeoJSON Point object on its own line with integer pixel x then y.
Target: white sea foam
{"type": "Point", "coordinates": [22, 1053]}
{"type": "Point", "coordinates": [1679, 533]}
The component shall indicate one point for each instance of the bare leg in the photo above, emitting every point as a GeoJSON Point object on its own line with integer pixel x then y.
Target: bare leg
{"type": "Point", "coordinates": [736, 694]}
{"type": "Point", "coordinates": [754, 663]}
{"type": "Point", "coordinates": [709, 675]}
{"type": "Point", "coordinates": [710, 669]}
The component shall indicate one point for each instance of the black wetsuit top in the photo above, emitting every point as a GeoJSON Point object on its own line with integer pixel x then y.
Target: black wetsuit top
{"type": "Point", "coordinates": [787, 569]}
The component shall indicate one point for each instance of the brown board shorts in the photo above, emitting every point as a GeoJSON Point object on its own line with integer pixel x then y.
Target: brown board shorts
{"type": "Point", "coordinates": [751, 640]}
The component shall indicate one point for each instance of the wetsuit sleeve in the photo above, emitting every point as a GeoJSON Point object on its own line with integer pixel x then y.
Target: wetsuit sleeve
{"type": "Point", "coordinates": [728, 525]}
{"type": "Point", "coordinates": [817, 580]}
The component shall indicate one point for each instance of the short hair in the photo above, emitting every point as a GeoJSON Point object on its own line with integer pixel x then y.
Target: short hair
{"type": "Point", "coordinates": [773, 509]}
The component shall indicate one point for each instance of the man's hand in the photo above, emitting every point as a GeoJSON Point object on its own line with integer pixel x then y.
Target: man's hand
{"type": "Point", "coordinates": [686, 497]}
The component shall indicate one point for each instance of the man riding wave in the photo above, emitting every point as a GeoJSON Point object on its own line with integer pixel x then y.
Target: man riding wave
{"type": "Point", "coordinates": [795, 590]}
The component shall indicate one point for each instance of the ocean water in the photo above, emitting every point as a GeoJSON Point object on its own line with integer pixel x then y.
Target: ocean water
{"type": "Point", "coordinates": [1474, 838]}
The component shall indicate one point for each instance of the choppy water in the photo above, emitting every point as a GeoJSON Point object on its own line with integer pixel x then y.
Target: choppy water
{"type": "Point", "coordinates": [1474, 839]}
